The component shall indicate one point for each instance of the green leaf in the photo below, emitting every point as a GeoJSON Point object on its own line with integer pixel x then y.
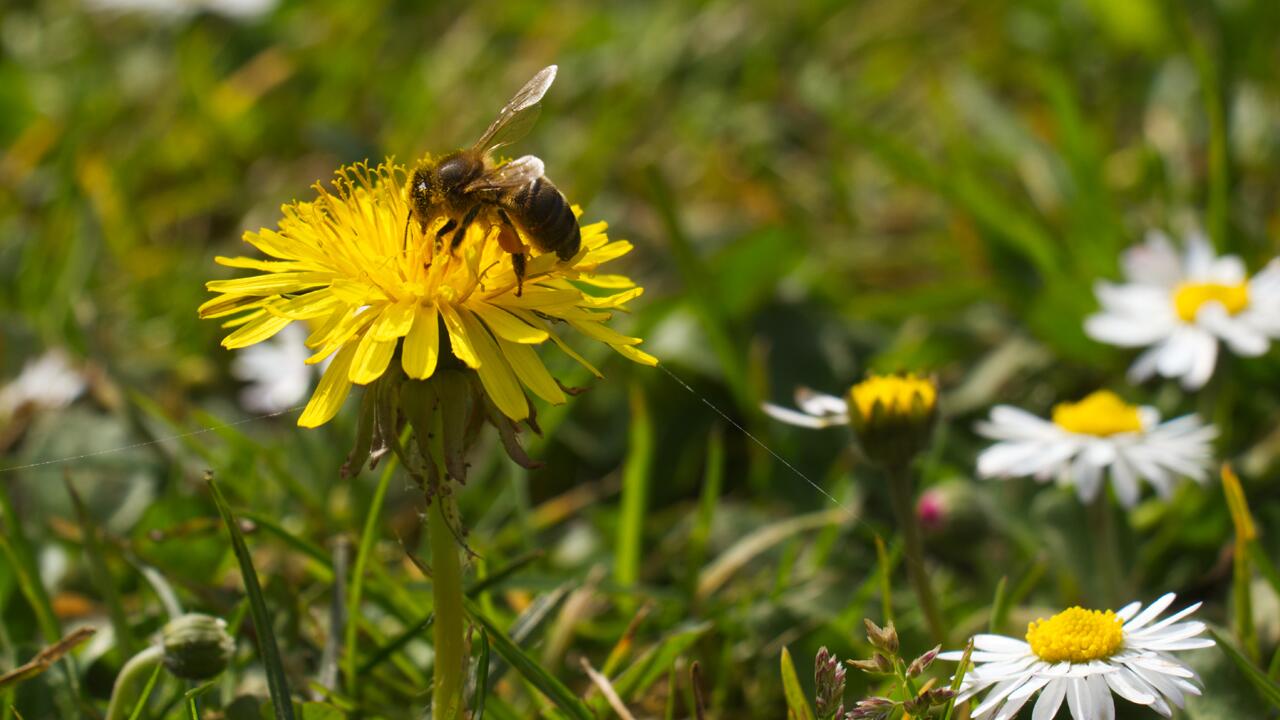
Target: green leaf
{"type": "Point", "coordinates": [277, 682]}
{"type": "Point", "coordinates": [1265, 686]}
{"type": "Point", "coordinates": [797, 704]}
{"type": "Point", "coordinates": [528, 667]}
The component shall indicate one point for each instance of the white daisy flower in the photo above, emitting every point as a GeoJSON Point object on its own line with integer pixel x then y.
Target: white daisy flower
{"type": "Point", "coordinates": [817, 410]}
{"type": "Point", "coordinates": [1180, 307]}
{"type": "Point", "coordinates": [48, 382]}
{"type": "Point", "coordinates": [276, 372]}
{"type": "Point", "coordinates": [1083, 656]}
{"type": "Point", "coordinates": [1100, 435]}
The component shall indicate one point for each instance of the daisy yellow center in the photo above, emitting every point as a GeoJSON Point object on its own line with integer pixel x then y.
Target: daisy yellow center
{"type": "Point", "coordinates": [897, 394]}
{"type": "Point", "coordinates": [1189, 297]}
{"type": "Point", "coordinates": [1102, 413]}
{"type": "Point", "coordinates": [1076, 635]}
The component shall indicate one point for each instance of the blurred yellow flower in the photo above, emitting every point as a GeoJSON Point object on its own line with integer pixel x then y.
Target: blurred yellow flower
{"type": "Point", "coordinates": [1101, 413]}
{"type": "Point", "coordinates": [375, 284]}
{"type": "Point", "coordinates": [897, 395]}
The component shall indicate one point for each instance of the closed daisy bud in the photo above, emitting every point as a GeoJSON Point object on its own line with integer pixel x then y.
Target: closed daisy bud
{"type": "Point", "coordinates": [196, 646]}
{"type": "Point", "coordinates": [893, 417]}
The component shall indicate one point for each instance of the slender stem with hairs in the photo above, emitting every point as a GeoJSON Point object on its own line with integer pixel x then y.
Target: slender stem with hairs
{"type": "Point", "coordinates": [901, 495]}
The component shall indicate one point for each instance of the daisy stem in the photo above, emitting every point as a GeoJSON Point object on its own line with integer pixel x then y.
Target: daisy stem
{"type": "Point", "coordinates": [446, 586]}
{"type": "Point", "coordinates": [901, 495]}
{"type": "Point", "coordinates": [1106, 549]}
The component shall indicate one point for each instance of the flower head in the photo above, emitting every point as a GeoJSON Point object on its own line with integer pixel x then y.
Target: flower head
{"type": "Point", "coordinates": [1181, 307]}
{"type": "Point", "coordinates": [381, 291]}
{"type": "Point", "coordinates": [891, 415]}
{"type": "Point", "coordinates": [1099, 435]}
{"type": "Point", "coordinates": [1083, 656]}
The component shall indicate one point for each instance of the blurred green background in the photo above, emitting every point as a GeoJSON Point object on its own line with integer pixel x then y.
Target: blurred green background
{"type": "Point", "coordinates": [814, 189]}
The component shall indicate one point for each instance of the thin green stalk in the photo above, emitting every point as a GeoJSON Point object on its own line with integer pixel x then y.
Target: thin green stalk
{"type": "Point", "coordinates": [132, 683]}
{"type": "Point", "coordinates": [1106, 549]}
{"type": "Point", "coordinates": [900, 493]}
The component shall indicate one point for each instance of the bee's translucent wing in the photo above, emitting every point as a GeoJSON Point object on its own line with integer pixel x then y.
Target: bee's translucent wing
{"type": "Point", "coordinates": [518, 115]}
{"type": "Point", "coordinates": [517, 173]}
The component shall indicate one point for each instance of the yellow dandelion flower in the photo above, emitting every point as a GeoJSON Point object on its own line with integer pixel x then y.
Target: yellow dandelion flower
{"type": "Point", "coordinates": [380, 290]}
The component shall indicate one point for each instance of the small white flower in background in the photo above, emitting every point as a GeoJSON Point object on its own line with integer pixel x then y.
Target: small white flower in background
{"type": "Point", "coordinates": [1099, 436]}
{"type": "Point", "coordinates": [48, 382]}
{"type": "Point", "coordinates": [177, 9]}
{"type": "Point", "coordinates": [1083, 656]}
{"type": "Point", "coordinates": [1181, 307]}
{"type": "Point", "coordinates": [817, 410]}
{"type": "Point", "coordinates": [276, 370]}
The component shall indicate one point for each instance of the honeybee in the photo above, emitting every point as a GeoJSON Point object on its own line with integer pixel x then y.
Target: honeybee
{"type": "Point", "coordinates": [467, 184]}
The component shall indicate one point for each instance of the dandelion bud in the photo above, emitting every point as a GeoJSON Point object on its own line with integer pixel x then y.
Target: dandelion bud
{"type": "Point", "coordinates": [923, 662]}
{"type": "Point", "coordinates": [884, 639]}
{"type": "Point", "coordinates": [196, 646]}
{"type": "Point", "coordinates": [893, 417]}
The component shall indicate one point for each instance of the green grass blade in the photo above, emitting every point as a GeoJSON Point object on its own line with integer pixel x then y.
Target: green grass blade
{"type": "Point", "coordinates": [17, 550]}
{"type": "Point", "coordinates": [797, 704]}
{"type": "Point", "coordinates": [367, 539]}
{"type": "Point", "coordinates": [958, 680]}
{"type": "Point", "coordinates": [538, 676]}
{"type": "Point", "coordinates": [277, 683]}
{"type": "Point", "coordinates": [146, 692]}
{"type": "Point", "coordinates": [649, 667]}
{"type": "Point", "coordinates": [482, 679]}
{"type": "Point", "coordinates": [192, 699]}
{"type": "Point", "coordinates": [635, 494]}
{"type": "Point", "coordinates": [708, 499]}
{"type": "Point", "coordinates": [1000, 605]}
{"type": "Point", "coordinates": [1266, 687]}
{"type": "Point", "coordinates": [96, 560]}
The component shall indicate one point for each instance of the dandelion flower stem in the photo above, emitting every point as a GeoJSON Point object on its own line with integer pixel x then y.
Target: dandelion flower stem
{"type": "Point", "coordinates": [900, 493]}
{"type": "Point", "coordinates": [446, 586]}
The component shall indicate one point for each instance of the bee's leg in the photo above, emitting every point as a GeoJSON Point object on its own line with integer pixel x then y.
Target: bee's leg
{"type": "Point", "coordinates": [509, 240]}
{"type": "Point", "coordinates": [445, 229]}
{"type": "Point", "coordinates": [461, 232]}
{"type": "Point", "coordinates": [518, 265]}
